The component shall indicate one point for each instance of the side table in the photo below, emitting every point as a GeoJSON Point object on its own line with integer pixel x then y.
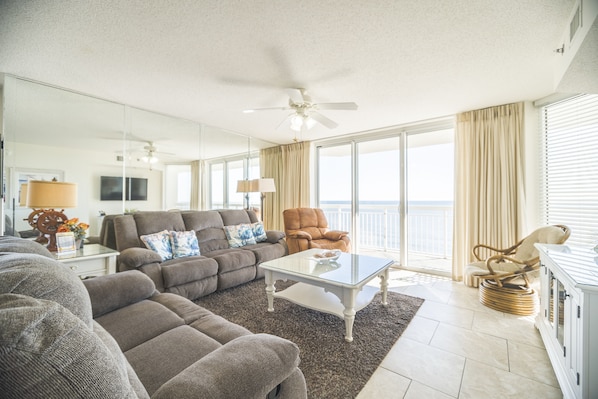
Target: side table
{"type": "Point", "coordinates": [91, 260]}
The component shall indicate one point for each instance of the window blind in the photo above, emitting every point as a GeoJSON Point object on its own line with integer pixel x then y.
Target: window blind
{"type": "Point", "coordinates": [570, 167]}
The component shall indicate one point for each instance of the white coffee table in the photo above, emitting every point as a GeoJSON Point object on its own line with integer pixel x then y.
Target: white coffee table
{"type": "Point", "coordinates": [338, 288]}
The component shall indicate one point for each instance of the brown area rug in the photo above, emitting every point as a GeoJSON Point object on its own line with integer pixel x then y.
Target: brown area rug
{"type": "Point", "coordinates": [333, 368]}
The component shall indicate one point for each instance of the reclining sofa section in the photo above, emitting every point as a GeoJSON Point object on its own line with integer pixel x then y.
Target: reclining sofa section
{"type": "Point", "coordinates": [116, 337]}
{"type": "Point", "coordinates": [216, 268]}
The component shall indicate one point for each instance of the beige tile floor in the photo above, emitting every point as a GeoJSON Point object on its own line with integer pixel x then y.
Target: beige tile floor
{"type": "Point", "coordinates": [456, 347]}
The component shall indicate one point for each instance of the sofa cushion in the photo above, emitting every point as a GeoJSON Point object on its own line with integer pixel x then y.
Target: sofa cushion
{"type": "Point", "coordinates": [209, 228]}
{"type": "Point", "coordinates": [44, 278]}
{"type": "Point", "coordinates": [160, 243]}
{"type": "Point", "coordinates": [151, 222]}
{"type": "Point", "coordinates": [174, 350]}
{"type": "Point", "coordinates": [184, 270]}
{"type": "Point", "coordinates": [184, 243]}
{"type": "Point", "coordinates": [47, 352]}
{"type": "Point", "coordinates": [239, 235]}
{"type": "Point", "coordinates": [121, 360]}
{"type": "Point", "coordinates": [237, 216]}
{"type": "Point", "coordinates": [265, 251]}
{"type": "Point", "coordinates": [139, 322]}
{"type": "Point", "coordinates": [232, 259]}
{"type": "Point", "coordinates": [202, 319]}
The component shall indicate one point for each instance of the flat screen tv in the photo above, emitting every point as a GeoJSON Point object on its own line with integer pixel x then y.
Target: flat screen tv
{"type": "Point", "coordinates": [111, 188]}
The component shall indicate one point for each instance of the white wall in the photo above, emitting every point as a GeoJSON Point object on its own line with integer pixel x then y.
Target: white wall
{"type": "Point", "coordinates": [84, 168]}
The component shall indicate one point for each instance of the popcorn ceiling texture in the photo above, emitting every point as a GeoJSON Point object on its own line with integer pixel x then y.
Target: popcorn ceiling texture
{"type": "Point", "coordinates": [206, 61]}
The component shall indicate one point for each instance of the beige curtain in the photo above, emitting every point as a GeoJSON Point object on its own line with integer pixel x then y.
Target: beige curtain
{"type": "Point", "coordinates": [199, 189]}
{"type": "Point", "coordinates": [289, 166]}
{"type": "Point", "coordinates": [489, 186]}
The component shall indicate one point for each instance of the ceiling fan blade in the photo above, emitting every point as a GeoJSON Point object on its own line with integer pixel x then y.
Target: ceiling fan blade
{"type": "Point", "coordinates": [249, 111]}
{"type": "Point", "coordinates": [340, 106]}
{"type": "Point", "coordinates": [329, 123]}
{"type": "Point", "coordinates": [296, 95]}
{"type": "Point", "coordinates": [284, 120]}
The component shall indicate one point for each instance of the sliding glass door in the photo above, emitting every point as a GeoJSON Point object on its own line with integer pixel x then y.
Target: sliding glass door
{"type": "Point", "coordinates": [379, 196]}
{"type": "Point", "coordinates": [393, 193]}
{"type": "Point", "coordinates": [335, 185]}
{"type": "Point", "coordinates": [430, 200]}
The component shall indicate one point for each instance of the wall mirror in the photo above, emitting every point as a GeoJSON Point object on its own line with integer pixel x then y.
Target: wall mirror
{"type": "Point", "coordinates": [53, 132]}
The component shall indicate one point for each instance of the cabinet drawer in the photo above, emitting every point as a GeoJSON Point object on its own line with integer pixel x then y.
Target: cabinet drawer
{"type": "Point", "coordinates": [89, 267]}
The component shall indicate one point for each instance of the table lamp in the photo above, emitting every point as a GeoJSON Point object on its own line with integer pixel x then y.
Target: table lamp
{"type": "Point", "coordinates": [45, 197]}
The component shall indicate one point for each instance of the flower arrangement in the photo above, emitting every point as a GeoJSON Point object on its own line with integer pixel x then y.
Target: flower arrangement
{"type": "Point", "coordinates": [78, 228]}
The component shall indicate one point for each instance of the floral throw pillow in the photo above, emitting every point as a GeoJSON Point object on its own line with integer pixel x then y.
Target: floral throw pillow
{"type": "Point", "coordinates": [258, 232]}
{"type": "Point", "coordinates": [159, 243]}
{"type": "Point", "coordinates": [184, 243]}
{"type": "Point", "coordinates": [239, 235]}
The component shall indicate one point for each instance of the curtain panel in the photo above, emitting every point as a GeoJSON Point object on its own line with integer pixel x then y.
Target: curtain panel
{"type": "Point", "coordinates": [489, 184]}
{"type": "Point", "coordinates": [289, 166]}
{"type": "Point", "coordinates": [199, 189]}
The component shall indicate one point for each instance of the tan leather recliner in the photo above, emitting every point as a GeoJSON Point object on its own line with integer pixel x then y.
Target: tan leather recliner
{"type": "Point", "coordinates": [307, 228]}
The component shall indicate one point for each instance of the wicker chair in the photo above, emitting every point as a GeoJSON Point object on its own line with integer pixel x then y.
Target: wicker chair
{"type": "Point", "coordinates": [505, 276]}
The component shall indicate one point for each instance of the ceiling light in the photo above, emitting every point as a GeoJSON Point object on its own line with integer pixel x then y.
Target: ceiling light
{"type": "Point", "coordinates": [149, 159]}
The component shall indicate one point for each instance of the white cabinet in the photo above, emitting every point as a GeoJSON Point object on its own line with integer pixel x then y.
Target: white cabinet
{"type": "Point", "coordinates": [91, 260]}
{"type": "Point", "coordinates": [568, 317]}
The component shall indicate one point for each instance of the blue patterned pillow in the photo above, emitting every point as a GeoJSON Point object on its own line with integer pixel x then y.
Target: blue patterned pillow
{"type": "Point", "coordinates": [159, 243]}
{"type": "Point", "coordinates": [239, 235]}
{"type": "Point", "coordinates": [184, 243]}
{"type": "Point", "coordinates": [258, 232]}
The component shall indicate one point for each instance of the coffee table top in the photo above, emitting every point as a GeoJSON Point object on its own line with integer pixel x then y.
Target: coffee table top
{"type": "Point", "coordinates": [349, 269]}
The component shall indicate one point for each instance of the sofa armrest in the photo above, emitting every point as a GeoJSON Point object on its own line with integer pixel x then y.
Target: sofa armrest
{"type": "Point", "coordinates": [247, 367]}
{"type": "Point", "coordinates": [301, 234]}
{"type": "Point", "coordinates": [335, 234]}
{"type": "Point", "coordinates": [115, 291]}
{"type": "Point", "coordinates": [274, 236]}
{"type": "Point", "coordinates": [134, 258]}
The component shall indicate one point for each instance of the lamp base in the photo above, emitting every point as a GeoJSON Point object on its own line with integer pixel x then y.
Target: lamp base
{"type": "Point", "coordinates": [48, 221]}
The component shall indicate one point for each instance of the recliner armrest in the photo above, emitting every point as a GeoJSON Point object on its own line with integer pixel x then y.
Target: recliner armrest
{"type": "Point", "coordinates": [115, 291]}
{"type": "Point", "coordinates": [134, 258]}
{"type": "Point", "coordinates": [247, 367]}
{"type": "Point", "coordinates": [301, 234]}
{"type": "Point", "coordinates": [274, 236]}
{"type": "Point", "coordinates": [335, 234]}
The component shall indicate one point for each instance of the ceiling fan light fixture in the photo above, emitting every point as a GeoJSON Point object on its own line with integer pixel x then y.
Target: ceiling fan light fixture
{"type": "Point", "coordinates": [309, 122]}
{"type": "Point", "coordinates": [296, 123]}
{"type": "Point", "coordinates": [149, 159]}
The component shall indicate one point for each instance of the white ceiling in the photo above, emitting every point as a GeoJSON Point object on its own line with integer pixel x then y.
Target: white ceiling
{"type": "Point", "coordinates": [400, 61]}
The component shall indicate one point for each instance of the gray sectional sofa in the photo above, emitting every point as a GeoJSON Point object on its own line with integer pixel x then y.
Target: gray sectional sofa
{"type": "Point", "coordinates": [217, 267]}
{"type": "Point", "coordinates": [117, 337]}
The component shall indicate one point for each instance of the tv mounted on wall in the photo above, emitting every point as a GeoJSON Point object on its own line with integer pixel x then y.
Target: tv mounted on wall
{"type": "Point", "coordinates": [111, 188]}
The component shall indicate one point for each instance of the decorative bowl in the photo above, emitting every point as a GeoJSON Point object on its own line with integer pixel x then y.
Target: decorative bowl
{"type": "Point", "coordinates": [327, 256]}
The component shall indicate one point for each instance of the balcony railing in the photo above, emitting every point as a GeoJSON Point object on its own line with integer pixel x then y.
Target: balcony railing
{"type": "Point", "coordinates": [429, 228]}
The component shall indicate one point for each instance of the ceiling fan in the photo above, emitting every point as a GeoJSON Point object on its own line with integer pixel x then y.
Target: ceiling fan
{"type": "Point", "coordinates": [150, 155]}
{"type": "Point", "coordinates": [305, 113]}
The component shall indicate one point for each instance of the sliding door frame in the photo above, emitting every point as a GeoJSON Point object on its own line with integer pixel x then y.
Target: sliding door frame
{"type": "Point", "coordinates": [402, 132]}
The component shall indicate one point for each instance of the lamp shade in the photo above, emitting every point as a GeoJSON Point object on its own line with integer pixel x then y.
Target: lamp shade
{"type": "Point", "coordinates": [244, 186]}
{"type": "Point", "coordinates": [51, 194]}
{"type": "Point", "coordinates": [264, 185]}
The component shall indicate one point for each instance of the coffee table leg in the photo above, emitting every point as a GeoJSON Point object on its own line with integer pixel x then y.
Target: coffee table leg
{"type": "Point", "coordinates": [384, 286]}
{"type": "Point", "coordinates": [270, 290]}
{"type": "Point", "coordinates": [349, 312]}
